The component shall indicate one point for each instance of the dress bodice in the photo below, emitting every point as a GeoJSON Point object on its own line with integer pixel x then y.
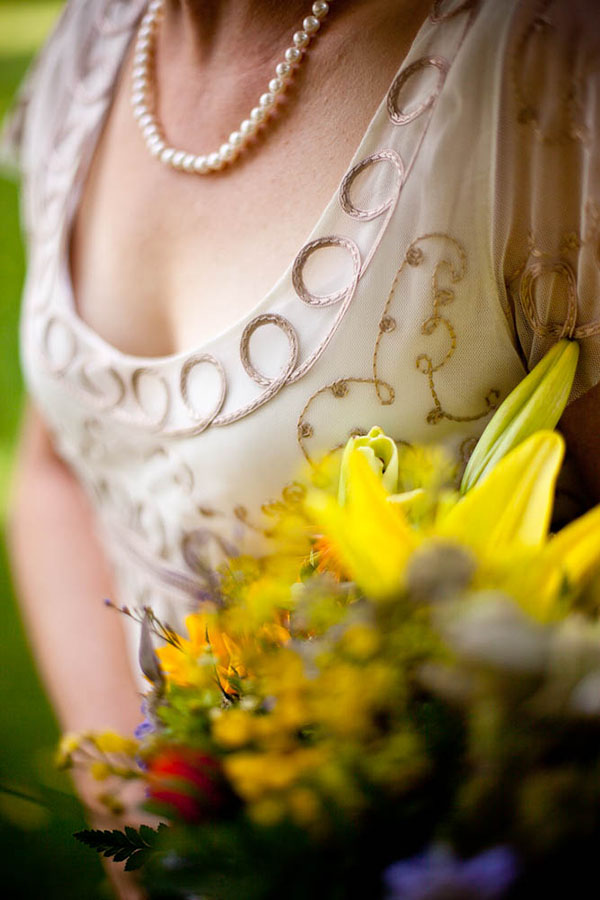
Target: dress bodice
{"type": "Point", "coordinates": [433, 278]}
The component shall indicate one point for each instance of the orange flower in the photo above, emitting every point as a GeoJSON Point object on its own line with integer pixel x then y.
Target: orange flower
{"type": "Point", "coordinates": [190, 662]}
{"type": "Point", "coordinates": [327, 558]}
{"type": "Point", "coordinates": [187, 663]}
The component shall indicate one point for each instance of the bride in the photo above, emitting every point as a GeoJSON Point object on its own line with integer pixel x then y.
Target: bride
{"type": "Point", "coordinates": [255, 228]}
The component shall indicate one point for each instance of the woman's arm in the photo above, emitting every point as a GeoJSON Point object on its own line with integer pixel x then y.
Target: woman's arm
{"type": "Point", "coordinates": [61, 579]}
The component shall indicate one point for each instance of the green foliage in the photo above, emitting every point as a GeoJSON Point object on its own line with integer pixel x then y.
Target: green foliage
{"type": "Point", "coordinates": [134, 846]}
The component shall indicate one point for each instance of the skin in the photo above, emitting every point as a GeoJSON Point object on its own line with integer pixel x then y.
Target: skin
{"type": "Point", "coordinates": [150, 251]}
{"type": "Point", "coordinates": [161, 260]}
{"type": "Point", "coordinates": [152, 248]}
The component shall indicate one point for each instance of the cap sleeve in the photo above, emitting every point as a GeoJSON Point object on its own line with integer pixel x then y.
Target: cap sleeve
{"type": "Point", "coordinates": [13, 128]}
{"type": "Point", "coordinates": [548, 181]}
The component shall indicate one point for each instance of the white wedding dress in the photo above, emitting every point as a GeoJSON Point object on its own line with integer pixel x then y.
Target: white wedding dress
{"type": "Point", "coordinates": [463, 240]}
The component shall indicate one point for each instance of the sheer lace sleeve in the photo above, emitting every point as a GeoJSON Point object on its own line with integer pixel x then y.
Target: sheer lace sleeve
{"type": "Point", "coordinates": [548, 180]}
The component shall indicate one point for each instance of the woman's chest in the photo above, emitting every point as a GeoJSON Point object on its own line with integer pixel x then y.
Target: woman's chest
{"type": "Point", "coordinates": [162, 261]}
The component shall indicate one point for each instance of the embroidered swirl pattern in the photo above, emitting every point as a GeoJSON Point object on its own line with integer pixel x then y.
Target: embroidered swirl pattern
{"type": "Point", "coordinates": [158, 395]}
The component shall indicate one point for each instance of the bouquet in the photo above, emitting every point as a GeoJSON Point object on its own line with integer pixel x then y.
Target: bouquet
{"type": "Point", "coordinates": [400, 699]}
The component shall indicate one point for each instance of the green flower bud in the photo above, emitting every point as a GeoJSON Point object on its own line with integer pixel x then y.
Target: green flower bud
{"type": "Point", "coordinates": [381, 453]}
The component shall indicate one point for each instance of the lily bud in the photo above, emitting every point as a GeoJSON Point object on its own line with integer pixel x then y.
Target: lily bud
{"type": "Point", "coordinates": [536, 404]}
{"type": "Point", "coordinates": [381, 453]}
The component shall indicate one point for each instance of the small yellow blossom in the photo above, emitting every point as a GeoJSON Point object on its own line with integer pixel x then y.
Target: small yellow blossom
{"type": "Point", "coordinates": [304, 806]}
{"type": "Point", "coordinates": [233, 729]}
{"type": "Point", "coordinates": [255, 774]}
{"type": "Point", "coordinates": [268, 811]}
{"type": "Point", "coordinates": [69, 743]}
{"type": "Point", "coordinates": [110, 742]}
{"type": "Point", "coordinates": [100, 770]}
{"type": "Point", "coordinates": [360, 642]}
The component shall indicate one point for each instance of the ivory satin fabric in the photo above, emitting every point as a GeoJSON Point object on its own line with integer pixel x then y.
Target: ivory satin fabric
{"type": "Point", "coordinates": [463, 241]}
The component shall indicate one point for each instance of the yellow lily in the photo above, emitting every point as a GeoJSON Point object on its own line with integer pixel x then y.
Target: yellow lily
{"type": "Point", "coordinates": [536, 404]}
{"type": "Point", "coordinates": [368, 535]}
{"type": "Point", "coordinates": [381, 453]}
{"type": "Point", "coordinates": [513, 506]}
{"type": "Point", "coordinates": [576, 549]}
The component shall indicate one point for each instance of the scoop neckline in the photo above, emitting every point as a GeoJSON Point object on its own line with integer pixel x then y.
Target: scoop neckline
{"type": "Point", "coordinates": [73, 195]}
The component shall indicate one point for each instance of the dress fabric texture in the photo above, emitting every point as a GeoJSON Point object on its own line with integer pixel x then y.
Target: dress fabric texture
{"type": "Point", "coordinates": [463, 241]}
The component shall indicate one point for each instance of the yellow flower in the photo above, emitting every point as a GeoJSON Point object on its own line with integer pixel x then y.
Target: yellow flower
{"type": "Point", "coordinates": [233, 728]}
{"type": "Point", "coordinates": [504, 520]}
{"type": "Point", "coordinates": [345, 698]}
{"type": "Point", "coordinates": [69, 743]}
{"type": "Point", "coordinates": [100, 770]}
{"type": "Point", "coordinates": [536, 404]}
{"type": "Point", "coordinates": [512, 507]}
{"type": "Point", "coordinates": [110, 742]}
{"type": "Point", "coordinates": [253, 775]}
{"type": "Point", "coordinates": [381, 454]}
{"type": "Point", "coordinates": [268, 811]}
{"type": "Point", "coordinates": [304, 806]}
{"type": "Point", "coordinates": [361, 642]}
{"type": "Point", "coordinates": [191, 663]}
{"type": "Point", "coordinates": [370, 536]}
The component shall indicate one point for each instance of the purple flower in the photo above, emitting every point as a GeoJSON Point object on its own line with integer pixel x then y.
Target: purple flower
{"type": "Point", "coordinates": [438, 875]}
{"type": "Point", "coordinates": [147, 726]}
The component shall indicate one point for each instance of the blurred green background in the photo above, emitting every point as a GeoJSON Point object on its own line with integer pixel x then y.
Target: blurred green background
{"type": "Point", "coordinates": [38, 855]}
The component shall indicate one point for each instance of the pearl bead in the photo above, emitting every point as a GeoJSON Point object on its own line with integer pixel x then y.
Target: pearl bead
{"type": "Point", "coordinates": [320, 9]}
{"type": "Point", "coordinates": [283, 69]}
{"type": "Point", "coordinates": [267, 100]}
{"type": "Point", "coordinates": [227, 152]}
{"type": "Point", "coordinates": [257, 114]}
{"type": "Point", "coordinates": [311, 24]}
{"type": "Point", "coordinates": [301, 39]}
{"type": "Point", "coordinates": [156, 147]}
{"type": "Point", "coordinates": [293, 55]}
{"type": "Point", "coordinates": [143, 88]}
{"type": "Point", "coordinates": [248, 127]}
{"type": "Point", "coordinates": [214, 161]}
{"type": "Point", "coordinates": [150, 130]}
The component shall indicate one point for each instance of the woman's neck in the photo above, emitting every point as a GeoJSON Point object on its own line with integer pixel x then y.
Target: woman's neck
{"type": "Point", "coordinates": [210, 27]}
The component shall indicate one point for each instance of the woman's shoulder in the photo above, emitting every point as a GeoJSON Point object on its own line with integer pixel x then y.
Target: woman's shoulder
{"type": "Point", "coordinates": [70, 64]}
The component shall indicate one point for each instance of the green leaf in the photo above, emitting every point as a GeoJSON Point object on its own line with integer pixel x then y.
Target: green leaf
{"type": "Point", "coordinates": [137, 860]}
{"type": "Point", "coordinates": [133, 845]}
{"type": "Point", "coordinates": [135, 838]}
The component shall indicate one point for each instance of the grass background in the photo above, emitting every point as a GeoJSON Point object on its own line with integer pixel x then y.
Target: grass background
{"type": "Point", "coordinates": [39, 858]}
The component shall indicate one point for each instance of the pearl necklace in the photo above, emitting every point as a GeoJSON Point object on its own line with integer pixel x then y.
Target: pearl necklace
{"type": "Point", "coordinates": [142, 96]}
